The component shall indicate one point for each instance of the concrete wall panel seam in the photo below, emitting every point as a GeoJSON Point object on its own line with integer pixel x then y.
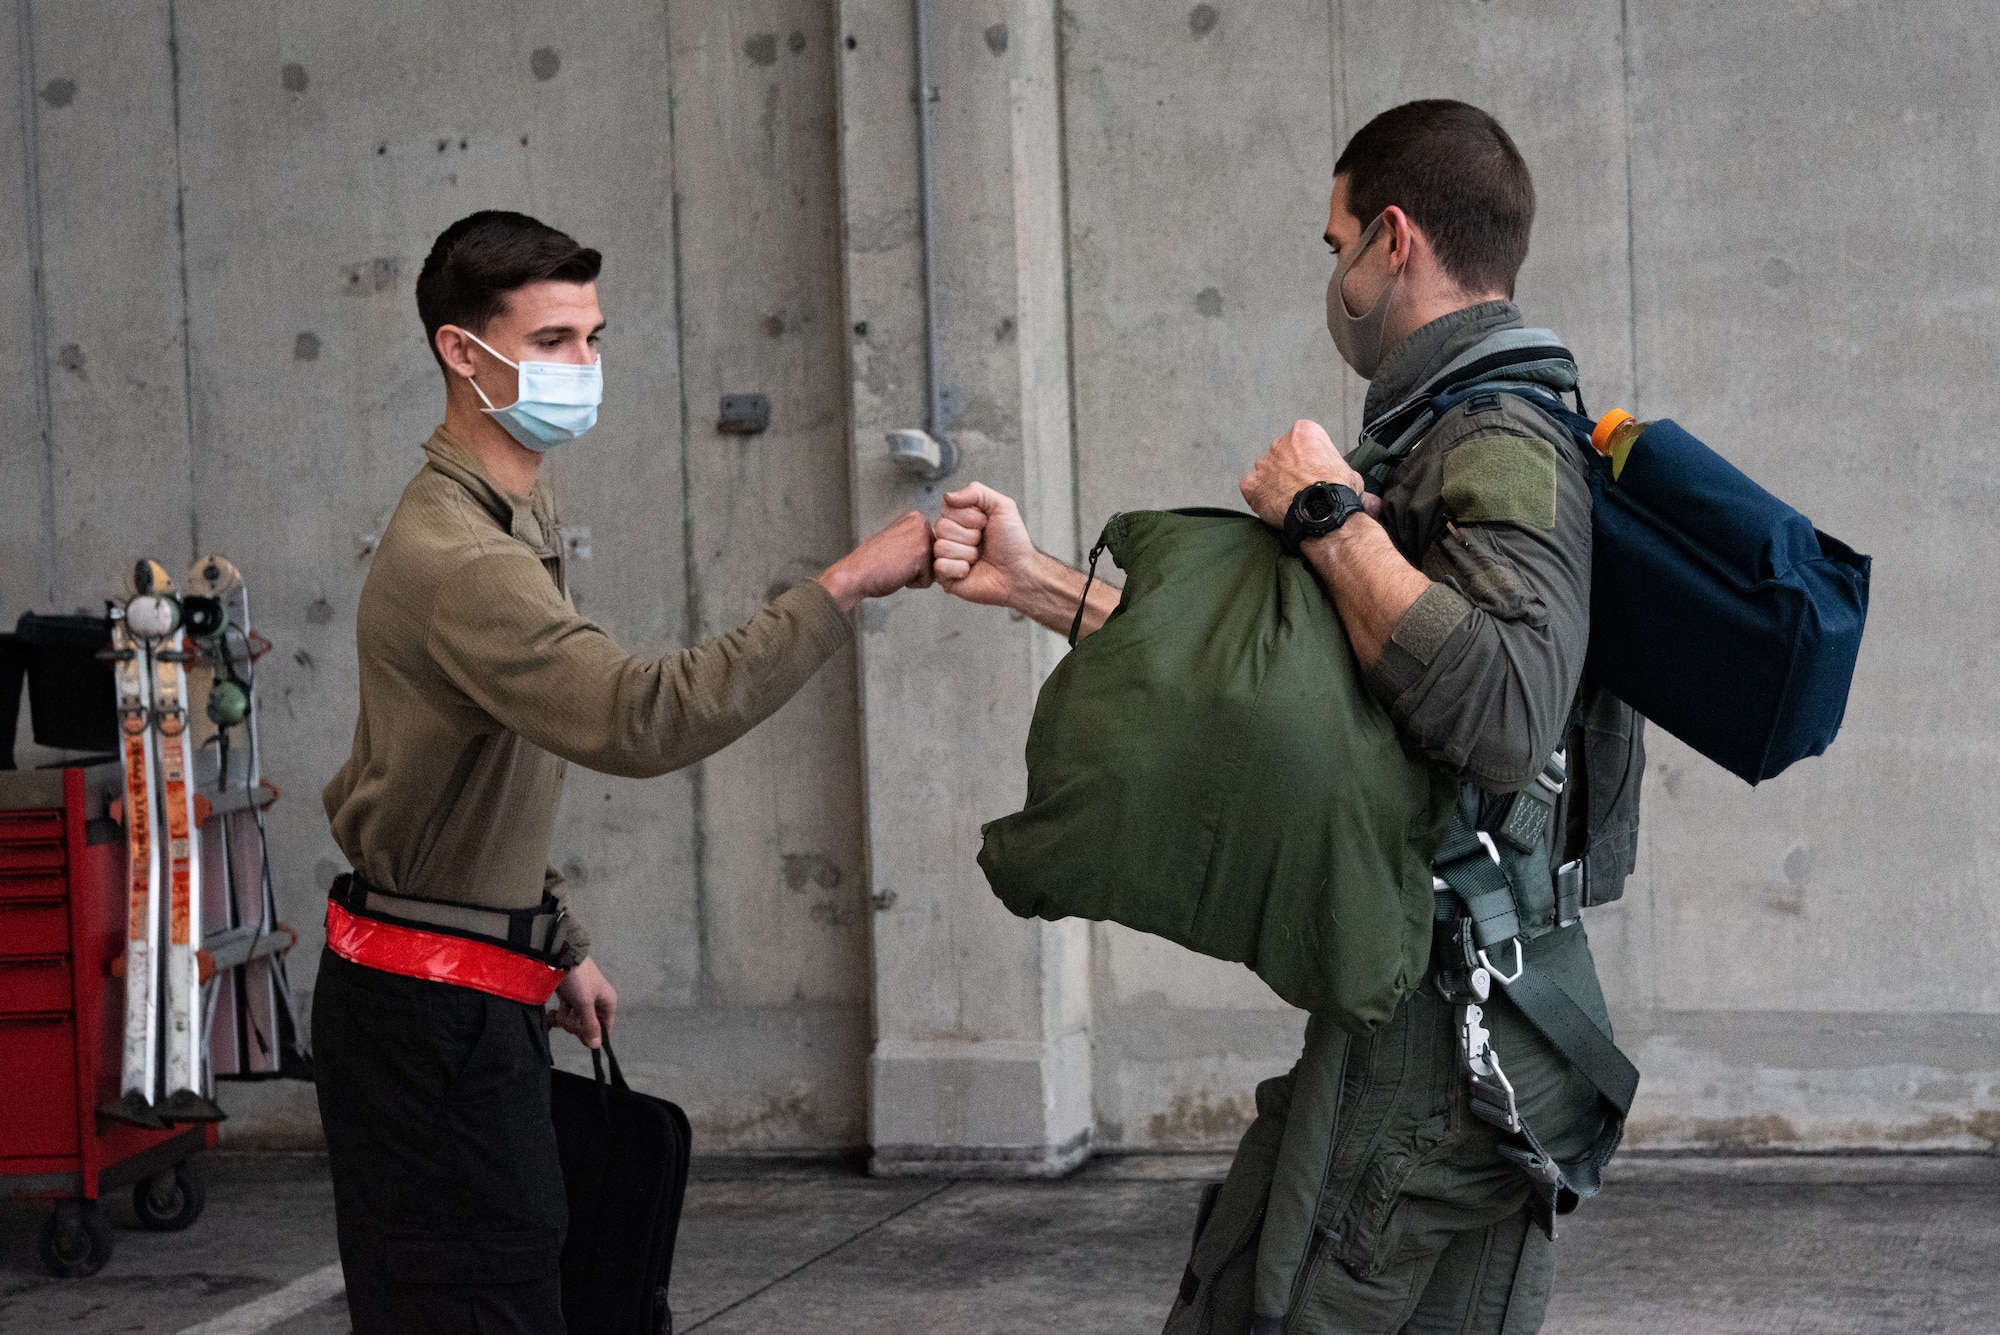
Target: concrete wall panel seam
{"type": "Point", "coordinates": [692, 616]}
{"type": "Point", "coordinates": [24, 30]}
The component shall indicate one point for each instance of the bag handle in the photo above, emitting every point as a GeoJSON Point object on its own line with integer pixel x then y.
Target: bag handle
{"type": "Point", "coordinates": [1089, 578]}
{"type": "Point", "coordinates": [617, 1081]}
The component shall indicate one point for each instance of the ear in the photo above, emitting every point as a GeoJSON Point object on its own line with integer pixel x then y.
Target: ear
{"type": "Point", "coordinates": [455, 347]}
{"type": "Point", "coordinates": [1402, 235]}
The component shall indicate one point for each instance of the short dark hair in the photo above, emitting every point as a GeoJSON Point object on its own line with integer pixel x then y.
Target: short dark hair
{"type": "Point", "coordinates": [479, 259]}
{"type": "Point", "coordinates": [1456, 173]}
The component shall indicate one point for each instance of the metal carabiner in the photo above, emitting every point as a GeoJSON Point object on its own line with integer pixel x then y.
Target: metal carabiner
{"type": "Point", "coordinates": [1520, 966]}
{"type": "Point", "coordinates": [1493, 1098]}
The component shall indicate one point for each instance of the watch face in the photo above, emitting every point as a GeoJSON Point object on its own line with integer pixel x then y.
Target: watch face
{"type": "Point", "coordinates": [1317, 504]}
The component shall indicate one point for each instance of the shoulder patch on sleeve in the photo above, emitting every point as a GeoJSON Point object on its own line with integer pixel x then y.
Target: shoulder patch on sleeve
{"type": "Point", "coordinates": [1498, 477]}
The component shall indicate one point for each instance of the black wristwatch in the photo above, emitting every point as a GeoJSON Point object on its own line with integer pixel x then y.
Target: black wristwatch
{"type": "Point", "coordinates": [1317, 511]}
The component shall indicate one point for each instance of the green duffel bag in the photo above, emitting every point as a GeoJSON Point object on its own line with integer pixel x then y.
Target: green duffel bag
{"type": "Point", "coordinates": [1210, 767]}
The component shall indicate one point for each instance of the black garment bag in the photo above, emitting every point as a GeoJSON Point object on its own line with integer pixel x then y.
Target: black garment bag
{"type": "Point", "coordinates": [72, 696]}
{"type": "Point", "coordinates": [625, 1168]}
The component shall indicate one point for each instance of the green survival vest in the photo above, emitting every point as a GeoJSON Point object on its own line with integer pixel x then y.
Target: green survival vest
{"type": "Point", "coordinates": [1210, 767]}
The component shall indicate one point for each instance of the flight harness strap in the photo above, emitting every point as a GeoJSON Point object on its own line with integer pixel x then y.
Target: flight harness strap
{"type": "Point", "coordinates": [1469, 865]}
{"type": "Point", "coordinates": [1398, 424]}
{"type": "Point", "coordinates": [1576, 1036]}
{"type": "Point", "coordinates": [1472, 924]}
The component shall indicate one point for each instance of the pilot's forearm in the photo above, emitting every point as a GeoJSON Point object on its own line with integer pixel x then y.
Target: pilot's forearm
{"type": "Point", "coordinates": [1048, 595]}
{"type": "Point", "coordinates": [1372, 584]}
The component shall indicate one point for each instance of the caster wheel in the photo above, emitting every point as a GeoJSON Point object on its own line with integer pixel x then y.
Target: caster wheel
{"type": "Point", "coordinates": [170, 1201]}
{"type": "Point", "coordinates": [76, 1240]}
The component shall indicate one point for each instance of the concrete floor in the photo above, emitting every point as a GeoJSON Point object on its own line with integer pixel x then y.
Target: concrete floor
{"type": "Point", "coordinates": [1705, 1246]}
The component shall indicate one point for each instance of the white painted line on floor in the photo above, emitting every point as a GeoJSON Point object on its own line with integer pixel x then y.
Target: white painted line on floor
{"type": "Point", "coordinates": [302, 1294]}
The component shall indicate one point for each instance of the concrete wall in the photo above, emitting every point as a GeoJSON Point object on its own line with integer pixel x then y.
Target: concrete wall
{"type": "Point", "coordinates": [228, 203]}
{"type": "Point", "coordinates": [1761, 221]}
{"type": "Point", "coordinates": [1765, 221]}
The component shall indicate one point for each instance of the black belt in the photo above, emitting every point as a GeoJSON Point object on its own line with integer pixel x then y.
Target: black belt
{"type": "Point", "coordinates": [535, 932]}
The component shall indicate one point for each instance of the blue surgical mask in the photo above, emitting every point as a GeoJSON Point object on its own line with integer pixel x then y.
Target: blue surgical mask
{"type": "Point", "coordinates": [556, 402]}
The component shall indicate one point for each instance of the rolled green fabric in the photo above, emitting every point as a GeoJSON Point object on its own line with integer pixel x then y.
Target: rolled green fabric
{"type": "Point", "coordinates": [1210, 767]}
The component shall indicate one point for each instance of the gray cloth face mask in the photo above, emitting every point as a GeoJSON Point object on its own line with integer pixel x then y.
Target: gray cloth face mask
{"type": "Point", "coordinates": [1358, 337]}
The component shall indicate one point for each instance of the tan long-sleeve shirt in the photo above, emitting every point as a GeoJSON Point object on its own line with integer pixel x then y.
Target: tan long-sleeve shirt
{"type": "Point", "coordinates": [480, 682]}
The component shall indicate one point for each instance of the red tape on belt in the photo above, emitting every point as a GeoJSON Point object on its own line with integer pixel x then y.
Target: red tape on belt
{"type": "Point", "coordinates": [414, 953]}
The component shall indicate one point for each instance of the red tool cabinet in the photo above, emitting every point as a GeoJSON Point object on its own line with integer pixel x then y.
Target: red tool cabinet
{"type": "Point", "coordinates": [62, 922]}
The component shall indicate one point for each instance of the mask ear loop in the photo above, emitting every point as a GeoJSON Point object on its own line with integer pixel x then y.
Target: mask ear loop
{"type": "Point", "coordinates": [1361, 245]}
{"type": "Point", "coordinates": [489, 347]}
{"type": "Point", "coordinates": [489, 408]}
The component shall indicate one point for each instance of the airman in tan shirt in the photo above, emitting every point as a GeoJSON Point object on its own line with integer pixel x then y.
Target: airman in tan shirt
{"type": "Point", "coordinates": [481, 683]}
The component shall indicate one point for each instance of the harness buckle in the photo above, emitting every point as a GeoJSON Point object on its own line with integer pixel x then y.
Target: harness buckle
{"type": "Point", "coordinates": [1530, 810]}
{"type": "Point", "coordinates": [1456, 973]}
{"type": "Point", "coordinates": [1540, 1166]}
{"type": "Point", "coordinates": [1492, 1092]}
{"type": "Point", "coordinates": [1571, 881]}
{"type": "Point", "coordinates": [1463, 987]}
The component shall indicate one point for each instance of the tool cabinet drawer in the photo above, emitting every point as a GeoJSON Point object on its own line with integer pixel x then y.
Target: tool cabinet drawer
{"type": "Point", "coordinates": [33, 929]}
{"type": "Point", "coordinates": [31, 857]}
{"type": "Point", "coordinates": [31, 840]}
{"type": "Point", "coordinates": [50, 887]}
{"type": "Point", "coordinates": [34, 827]}
{"type": "Point", "coordinates": [38, 1097]}
{"type": "Point", "coordinates": [35, 985]}
{"type": "Point", "coordinates": [27, 856]}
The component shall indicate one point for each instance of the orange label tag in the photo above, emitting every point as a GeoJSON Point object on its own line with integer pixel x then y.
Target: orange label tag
{"type": "Point", "coordinates": [138, 838]}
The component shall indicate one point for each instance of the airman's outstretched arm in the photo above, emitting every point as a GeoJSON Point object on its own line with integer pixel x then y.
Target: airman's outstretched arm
{"type": "Point", "coordinates": [983, 554]}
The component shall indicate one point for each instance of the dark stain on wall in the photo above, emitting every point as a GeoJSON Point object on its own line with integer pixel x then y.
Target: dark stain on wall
{"type": "Point", "coordinates": [816, 868]}
{"type": "Point", "coordinates": [377, 275]}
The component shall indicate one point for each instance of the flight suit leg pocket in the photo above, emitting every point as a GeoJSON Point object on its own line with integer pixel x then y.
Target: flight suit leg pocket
{"type": "Point", "coordinates": [1365, 1235]}
{"type": "Point", "coordinates": [1405, 1121]}
{"type": "Point", "coordinates": [1216, 1290]}
{"type": "Point", "coordinates": [1218, 1287]}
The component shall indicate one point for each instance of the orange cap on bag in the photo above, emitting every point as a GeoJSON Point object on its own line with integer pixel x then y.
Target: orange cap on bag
{"type": "Point", "coordinates": [1600, 435]}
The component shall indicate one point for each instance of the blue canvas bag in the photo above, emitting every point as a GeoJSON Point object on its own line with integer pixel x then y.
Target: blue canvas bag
{"type": "Point", "coordinates": [1716, 610]}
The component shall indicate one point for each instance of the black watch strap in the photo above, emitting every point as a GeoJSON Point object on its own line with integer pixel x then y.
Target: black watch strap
{"type": "Point", "coordinates": [1318, 510]}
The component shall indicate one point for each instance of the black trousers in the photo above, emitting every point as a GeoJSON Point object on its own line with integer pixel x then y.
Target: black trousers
{"type": "Point", "coordinates": [447, 1190]}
